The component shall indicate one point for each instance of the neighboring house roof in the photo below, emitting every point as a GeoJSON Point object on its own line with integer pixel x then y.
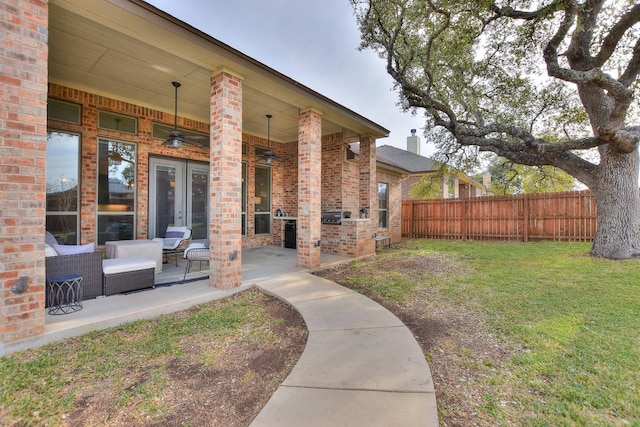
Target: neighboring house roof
{"type": "Point", "coordinates": [397, 158]}
{"type": "Point", "coordinates": [412, 163]}
{"type": "Point", "coordinates": [408, 163]}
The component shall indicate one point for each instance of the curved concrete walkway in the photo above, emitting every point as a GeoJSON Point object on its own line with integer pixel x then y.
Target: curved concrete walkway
{"type": "Point", "coordinates": [361, 365]}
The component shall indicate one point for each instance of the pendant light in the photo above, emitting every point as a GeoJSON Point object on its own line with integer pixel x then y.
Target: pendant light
{"type": "Point", "coordinates": [175, 139]}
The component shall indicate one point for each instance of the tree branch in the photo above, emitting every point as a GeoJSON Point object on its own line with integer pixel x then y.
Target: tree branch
{"type": "Point", "coordinates": [509, 12]}
{"type": "Point", "coordinates": [615, 34]}
{"type": "Point", "coordinates": [579, 53]}
{"type": "Point", "coordinates": [590, 75]}
{"type": "Point", "coordinates": [529, 142]}
{"type": "Point", "coordinates": [630, 74]}
{"type": "Point", "coordinates": [576, 166]}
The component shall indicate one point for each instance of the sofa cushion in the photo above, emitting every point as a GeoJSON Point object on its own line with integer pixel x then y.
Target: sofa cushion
{"type": "Point", "coordinates": [123, 265]}
{"type": "Point", "coordinates": [74, 249]}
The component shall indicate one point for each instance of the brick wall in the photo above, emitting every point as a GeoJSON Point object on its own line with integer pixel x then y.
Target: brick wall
{"type": "Point", "coordinates": [332, 173]}
{"type": "Point", "coordinates": [284, 173]}
{"type": "Point", "coordinates": [284, 180]}
{"type": "Point", "coordinates": [347, 186]}
{"type": "Point", "coordinates": [225, 183]}
{"type": "Point", "coordinates": [146, 146]}
{"type": "Point", "coordinates": [309, 187]}
{"type": "Point", "coordinates": [340, 179]}
{"type": "Point", "coordinates": [23, 92]}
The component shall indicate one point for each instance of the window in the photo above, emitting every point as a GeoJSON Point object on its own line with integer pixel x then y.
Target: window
{"type": "Point", "coordinates": [116, 190]}
{"type": "Point", "coordinates": [63, 154]}
{"type": "Point", "coordinates": [117, 122]}
{"type": "Point", "coordinates": [63, 111]}
{"type": "Point", "coordinates": [262, 200]}
{"type": "Point", "coordinates": [383, 205]}
{"type": "Point", "coordinates": [452, 188]}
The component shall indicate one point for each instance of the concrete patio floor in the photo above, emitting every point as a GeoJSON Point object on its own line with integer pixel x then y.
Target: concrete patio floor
{"type": "Point", "coordinates": [170, 295]}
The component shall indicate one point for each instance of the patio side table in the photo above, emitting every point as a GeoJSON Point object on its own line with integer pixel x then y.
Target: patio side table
{"type": "Point", "coordinates": [65, 294]}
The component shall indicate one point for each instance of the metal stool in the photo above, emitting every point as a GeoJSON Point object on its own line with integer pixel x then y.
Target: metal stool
{"type": "Point", "coordinates": [384, 241]}
{"type": "Point", "coordinates": [65, 294]}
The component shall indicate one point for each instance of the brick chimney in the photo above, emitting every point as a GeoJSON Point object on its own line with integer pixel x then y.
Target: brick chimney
{"type": "Point", "coordinates": [486, 181]}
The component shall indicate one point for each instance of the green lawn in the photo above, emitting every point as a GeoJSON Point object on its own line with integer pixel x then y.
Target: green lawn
{"type": "Point", "coordinates": [125, 368]}
{"type": "Point", "coordinates": [576, 317]}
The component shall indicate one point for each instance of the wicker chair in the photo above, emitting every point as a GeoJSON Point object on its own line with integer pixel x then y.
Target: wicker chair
{"type": "Point", "coordinates": [195, 252]}
{"type": "Point", "coordinates": [175, 239]}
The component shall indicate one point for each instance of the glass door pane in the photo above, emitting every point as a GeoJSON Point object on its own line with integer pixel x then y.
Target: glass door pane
{"type": "Point", "coordinates": [198, 200]}
{"type": "Point", "coordinates": [262, 200]}
{"type": "Point", "coordinates": [166, 196]}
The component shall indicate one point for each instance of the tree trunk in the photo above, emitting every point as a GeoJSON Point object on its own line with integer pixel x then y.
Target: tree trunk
{"type": "Point", "coordinates": [618, 202]}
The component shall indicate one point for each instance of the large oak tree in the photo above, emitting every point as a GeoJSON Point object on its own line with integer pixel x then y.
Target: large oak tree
{"type": "Point", "coordinates": [540, 83]}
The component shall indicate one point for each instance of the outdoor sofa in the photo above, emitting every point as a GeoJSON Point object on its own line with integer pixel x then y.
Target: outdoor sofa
{"type": "Point", "coordinates": [89, 265]}
{"type": "Point", "coordinates": [99, 277]}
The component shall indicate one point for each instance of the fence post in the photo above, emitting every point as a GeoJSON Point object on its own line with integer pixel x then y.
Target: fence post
{"type": "Point", "coordinates": [465, 207]}
{"type": "Point", "coordinates": [525, 218]}
{"type": "Point", "coordinates": [412, 226]}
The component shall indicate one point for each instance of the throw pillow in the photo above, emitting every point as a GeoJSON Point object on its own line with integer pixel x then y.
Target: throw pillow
{"type": "Point", "coordinates": [50, 239]}
{"type": "Point", "coordinates": [206, 244]}
{"type": "Point", "coordinates": [49, 251]}
{"type": "Point", "coordinates": [74, 249]}
{"type": "Point", "coordinates": [173, 234]}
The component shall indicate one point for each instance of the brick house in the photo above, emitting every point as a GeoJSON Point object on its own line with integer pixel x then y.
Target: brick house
{"type": "Point", "coordinates": [88, 107]}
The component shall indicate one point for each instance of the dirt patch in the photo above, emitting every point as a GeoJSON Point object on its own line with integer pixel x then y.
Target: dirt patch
{"type": "Point", "coordinates": [229, 390]}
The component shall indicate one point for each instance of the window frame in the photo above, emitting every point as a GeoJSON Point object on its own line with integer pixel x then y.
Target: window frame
{"type": "Point", "coordinates": [114, 210]}
{"type": "Point", "coordinates": [78, 178]}
{"type": "Point", "coordinates": [55, 111]}
{"type": "Point", "coordinates": [383, 208]}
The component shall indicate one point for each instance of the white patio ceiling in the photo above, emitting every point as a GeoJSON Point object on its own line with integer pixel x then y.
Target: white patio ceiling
{"type": "Point", "coordinates": [130, 51]}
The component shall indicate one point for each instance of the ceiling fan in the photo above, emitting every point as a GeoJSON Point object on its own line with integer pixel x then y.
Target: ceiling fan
{"type": "Point", "coordinates": [268, 156]}
{"type": "Point", "coordinates": [177, 138]}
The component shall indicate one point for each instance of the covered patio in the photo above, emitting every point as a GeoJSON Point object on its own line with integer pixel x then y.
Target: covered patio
{"type": "Point", "coordinates": [171, 294]}
{"type": "Point", "coordinates": [91, 154]}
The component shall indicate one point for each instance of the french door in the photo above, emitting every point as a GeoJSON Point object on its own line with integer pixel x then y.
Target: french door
{"type": "Point", "coordinates": [178, 196]}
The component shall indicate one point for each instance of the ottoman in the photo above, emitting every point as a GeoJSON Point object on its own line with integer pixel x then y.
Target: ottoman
{"type": "Point", "coordinates": [127, 274]}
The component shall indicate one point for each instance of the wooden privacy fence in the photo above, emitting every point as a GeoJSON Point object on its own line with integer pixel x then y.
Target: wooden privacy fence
{"type": "Point", "coordinates": [569, 216]}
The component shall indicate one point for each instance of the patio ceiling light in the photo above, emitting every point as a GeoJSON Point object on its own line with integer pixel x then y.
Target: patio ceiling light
{"type": "Point", "coordinates": [175, 139]}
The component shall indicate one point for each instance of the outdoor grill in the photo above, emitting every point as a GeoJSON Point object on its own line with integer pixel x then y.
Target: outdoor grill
{"type": "Point", "coordinates": [335, 217]}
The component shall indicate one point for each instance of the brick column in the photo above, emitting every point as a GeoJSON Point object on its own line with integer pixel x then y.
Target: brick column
{"type": "Point", "coordinates": [225, 184]}
{"type": "Point", "coordinates": [23, 135]}
{"type": "Point", "coordinates": [368, 191]}
{"type": "Point", "coordinates": [309, 188]}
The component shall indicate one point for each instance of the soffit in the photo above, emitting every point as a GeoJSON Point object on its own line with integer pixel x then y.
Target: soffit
{"type": "Point", "coordinates": [130, 51]}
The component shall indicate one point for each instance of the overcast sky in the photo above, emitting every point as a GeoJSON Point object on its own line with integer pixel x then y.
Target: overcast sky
{"type": "Point", "coordinates": [315, 43]}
